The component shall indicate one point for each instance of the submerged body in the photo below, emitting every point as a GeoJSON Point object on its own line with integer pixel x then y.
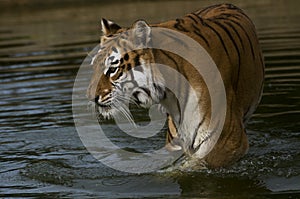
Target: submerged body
{"type": "Point", "coordinates": [229, 37]}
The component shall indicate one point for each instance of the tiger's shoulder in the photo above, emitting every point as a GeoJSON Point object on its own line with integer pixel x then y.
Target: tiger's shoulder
{"type": "Point", "coordinates": [202, 17]}
{"type": "Point", "coordinates": [219, 10]}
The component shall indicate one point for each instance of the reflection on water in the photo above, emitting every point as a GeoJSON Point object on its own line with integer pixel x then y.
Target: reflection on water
{"type": "Point", "coordinates": [41, 154]}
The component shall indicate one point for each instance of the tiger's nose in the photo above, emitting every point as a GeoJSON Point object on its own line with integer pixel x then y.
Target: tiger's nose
{"type": "Point", "coordinates": [92, 97]}
{"type": "Point", "coordinates": [102, 97]}
{"type": "Point", "coordinates": [98, 98]}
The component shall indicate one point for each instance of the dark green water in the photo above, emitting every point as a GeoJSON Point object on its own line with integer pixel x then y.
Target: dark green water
{"type": "Point", "coordinates": [41, 47]}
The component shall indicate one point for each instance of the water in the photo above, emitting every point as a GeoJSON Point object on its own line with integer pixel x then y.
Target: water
{"type": "Point", "coordinates": [41, 47]}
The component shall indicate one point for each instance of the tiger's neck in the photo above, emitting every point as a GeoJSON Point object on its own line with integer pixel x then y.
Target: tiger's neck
{"type": "Point", "coordinates": [182, 98]}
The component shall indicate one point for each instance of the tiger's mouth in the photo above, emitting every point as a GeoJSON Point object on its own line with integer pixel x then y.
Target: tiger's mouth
{"type": "Point", "coordinates": [114, 108]}
{"type": "Point", "coordinates": [101, 111]}
{"type": "Point", "coordinates": [104, 108]}
{"type": "Point", "coordinates": [118, 105]}
{"type": "Point", "coordinates": [102, 105]}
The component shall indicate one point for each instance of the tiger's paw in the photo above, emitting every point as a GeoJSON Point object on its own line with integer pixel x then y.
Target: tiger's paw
{"type": "Point", "coordinates": [174, 145]}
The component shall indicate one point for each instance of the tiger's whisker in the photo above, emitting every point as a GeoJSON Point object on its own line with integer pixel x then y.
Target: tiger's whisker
{"type": "Point", "coordinates": [124, 110]}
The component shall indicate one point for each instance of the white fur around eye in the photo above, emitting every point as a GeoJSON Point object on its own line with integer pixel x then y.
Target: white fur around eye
{"type": "Point", "coordinates": [116, 70]}
{"type": "Point", "coordinates": [142, 78]}
{"type": "Point", "coordinates": [93, 60]}
{"type": "Point", "coordinates": [113, 57]}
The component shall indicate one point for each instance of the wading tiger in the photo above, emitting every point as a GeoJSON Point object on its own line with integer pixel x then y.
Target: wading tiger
{"type": "Point", "coordinates": [229, 37]}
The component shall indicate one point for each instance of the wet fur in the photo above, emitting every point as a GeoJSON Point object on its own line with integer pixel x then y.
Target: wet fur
{"type": "Point", "coordinates": [229, 36]}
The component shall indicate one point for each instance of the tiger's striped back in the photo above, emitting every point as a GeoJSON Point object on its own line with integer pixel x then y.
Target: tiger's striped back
{"type": "Point", "coordinates": [229, 36]}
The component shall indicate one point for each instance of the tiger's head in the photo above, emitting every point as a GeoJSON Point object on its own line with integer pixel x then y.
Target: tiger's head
{"type": "Point", "coordinates": [124, 69]}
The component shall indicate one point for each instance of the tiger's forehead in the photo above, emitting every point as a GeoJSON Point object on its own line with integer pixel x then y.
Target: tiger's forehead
{"type": "Point", "coordinates": [104, 53]}
{"type": "Point", "coordinates": [113, 56]}
{"type": "Point", "coordinates": [111, 49]}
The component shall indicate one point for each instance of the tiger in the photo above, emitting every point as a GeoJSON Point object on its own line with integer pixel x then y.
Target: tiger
{"type": "Point", "coordinates": [230, 38]}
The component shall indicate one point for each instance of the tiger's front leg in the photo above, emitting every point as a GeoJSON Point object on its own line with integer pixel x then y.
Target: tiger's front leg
{"type": "Point", "coordinates": [172, 140]}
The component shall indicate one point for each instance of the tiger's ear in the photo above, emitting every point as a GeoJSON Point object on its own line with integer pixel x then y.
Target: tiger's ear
{"type": "Point", "coordinates": [142, 33]}
{"type": "Point", "coordinates": [109, 27]}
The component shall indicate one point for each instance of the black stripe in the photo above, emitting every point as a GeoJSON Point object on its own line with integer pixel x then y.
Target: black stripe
{"type": "Point", "coordinates": [120, 74]}
{"type": "Point", "coordinates": [135, 96]}
{"type": "Point", "coordinates": [229, 6]}
{"type": "Point", "coordinates": [172, 59]}
{"type": "Point", "coordinates": [205, 139]}
{"type": "Point", "coordinates": [153, 79]}
{"type": "Point", "coordinates": [114, 49]}
{"type": "Point", "coordinates": [175, 63]}
{"type": "Point", "coordinates": [126, 57]}
{"type": "Point", "coordinates": [206, 10]}
{"type": "Point", "coordinates": [197, 32]}
{"type": "Point", "coordinates": [197, 129]}
{"type": "Point", "coordinates": [248, 37]}
{"type": "Point", "coordinates": [175, 38]}
{"type": "Point", "coordinates": [237, 33]}
{"type": "Point", "coordinates": [230, 37]}
{"type": "Point", "coordinates": [160, 91]}
{"type": "Point", "coordinates": [224, 7]}
{"type": "Point", "coordinates": [146, 90]}
{"type": "Point", "coordinates": [240, 11]}
{"type": "Point", "coordinates": [170, 134]}
{"type": "Point", "coordinates": [243, 46]}
{"type": "Point", "coordinates": [199, 18]}
{"type": "Point", "coordinates": [117, 86]}
{"type": "Point", "coordinates": [137, 60]}
{"type": "Point", "coordinates": [208, 137]}
{"type": "Point", "coordinates": [250, 23]}
{"type": "Point", "coordinates": [128, 67]}
{"type": "Point", "coordinates": [179, 80]}
{"type": "Point", "coordinates": [236, 48]}
{"type": "Point", "coordinates": [245, 32]}
{"type": "Point", "coordinates": [179, 26]}
{"type": "Point", "coordinates": [192, 18]}
{"type": "Point", "coordinates": [220, 38]}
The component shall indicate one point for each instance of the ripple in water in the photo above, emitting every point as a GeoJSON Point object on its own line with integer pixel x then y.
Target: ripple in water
{"type": "Point", "coordinates": [41, 154]}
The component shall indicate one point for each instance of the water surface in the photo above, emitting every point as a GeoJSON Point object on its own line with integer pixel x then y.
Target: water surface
{"type": "Point", "coordinates": [42, 46]}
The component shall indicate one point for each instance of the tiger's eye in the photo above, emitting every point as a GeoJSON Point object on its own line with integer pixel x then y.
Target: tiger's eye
{"type": "Point", "coordinates": [115, 62]}
{"type": "Point", "coordinates": [112, 70]}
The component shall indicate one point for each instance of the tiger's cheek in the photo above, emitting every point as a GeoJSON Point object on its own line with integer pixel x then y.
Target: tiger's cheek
{"type": "Point", "coordinates": [118, 76]}
{"type": "Point", "coordinates": [128, 87]}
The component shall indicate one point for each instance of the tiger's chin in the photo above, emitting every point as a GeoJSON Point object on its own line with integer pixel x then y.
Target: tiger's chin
{"type": "Point", "coordinates": [119, 111]}
{"type": "Point", "coordinates": [101, 112]}
{"type": "Point", "coordinates": [105, 112]}
{"type": "Point", "coordinates": [119, 105]}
